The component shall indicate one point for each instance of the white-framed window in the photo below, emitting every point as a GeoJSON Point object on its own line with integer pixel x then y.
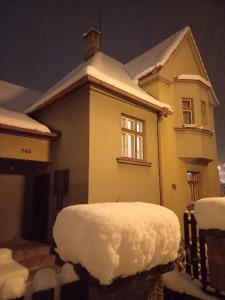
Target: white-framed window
{"type": "Point", "coordinates": [188, 110]}
{"type": "Point", "coordinates": [132, 138]}
{"type": "Point", "coordinates": [203, 111]}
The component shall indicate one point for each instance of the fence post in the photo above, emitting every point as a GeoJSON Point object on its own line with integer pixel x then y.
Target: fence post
{"type": "Point", "coordinates": [194, 249]}
{"type": "Point", "coordinates": [203, 258]}
{"type": "Point", "coordinates": [187, 243]}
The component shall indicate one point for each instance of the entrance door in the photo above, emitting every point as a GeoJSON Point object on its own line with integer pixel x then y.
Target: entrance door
{"type": "Point", "coordinates": [40, 207]}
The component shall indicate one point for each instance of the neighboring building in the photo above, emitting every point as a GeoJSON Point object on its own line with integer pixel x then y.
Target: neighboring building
{"type": "Point", "coordinates": [15, 97]}
{"type": "Point", "coordinates": [173, 72]}
{"type": "Point", "coordinates": [114, 140]}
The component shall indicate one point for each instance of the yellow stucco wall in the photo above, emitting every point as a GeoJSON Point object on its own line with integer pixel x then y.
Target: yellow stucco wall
{"type": "Point", "coordinates": [108, 179]}
{"type": "Point", "coordinates": [24, 148]}
{"type": "Point", "coordinates": [11, 205]}
{"type": "Point", "coordinates": [187, 143]}
{"type": "Point", "coordinates": [71, 118]}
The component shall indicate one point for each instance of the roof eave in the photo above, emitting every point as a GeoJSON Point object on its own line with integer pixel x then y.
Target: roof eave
{"type": "Point", "coordinates": [91, 79]}
{"type": "Point", "coordinates": [28, 132]}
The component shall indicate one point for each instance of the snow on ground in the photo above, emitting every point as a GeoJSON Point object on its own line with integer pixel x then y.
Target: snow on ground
{"type": "Point", "coordinates": [183, 284]}
{"type": "Point", "coordinates": [20, 120]}
{"type": "Point", "coordinates": [68, 274]}
{"type": "Point", "coordinates": [44, 279]}
{"type": "Point", "coordinates": [12, 288]}
{"type": "Point", "coordinates": [9, 268]}
{"type": "Point", "coordinates": [117, 239]}
{"type": "Point", "coordinates": [210, 213]}
{"type": "Point", "coordinates": [106, 69]}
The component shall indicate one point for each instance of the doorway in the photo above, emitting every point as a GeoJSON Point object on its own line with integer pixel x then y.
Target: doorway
{"type": "Point", "coordinates": [40, 207]}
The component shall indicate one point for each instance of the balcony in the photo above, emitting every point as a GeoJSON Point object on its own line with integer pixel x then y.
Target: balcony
{"type": "Point", "coordinates": [195, 145]}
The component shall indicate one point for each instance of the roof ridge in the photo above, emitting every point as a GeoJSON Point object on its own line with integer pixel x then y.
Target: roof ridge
{"type": "Point", "coordinates": [159, 54]}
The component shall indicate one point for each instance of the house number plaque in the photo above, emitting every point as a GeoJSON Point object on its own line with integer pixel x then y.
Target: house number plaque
{"type": "Point", "coordinates": [26, 150]}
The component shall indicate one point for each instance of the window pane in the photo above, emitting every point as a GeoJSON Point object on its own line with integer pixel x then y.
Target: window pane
{"type": "Point", "coordinates": [130, 146]}
{"type": "Point", "coordinates": [203, 106]}
{"type": "Point", "coordinates": [187, 117]}
{"type": "Point", "coordinates": [123, 122]}
{"type": "Point", "coordinates": [139, 127]}
{"type": "Point", "coordinates": [139, 147]}
{"type": "Point", "coordinates": [186, 104]}
{"type": "Point", "coordinates": [130, 124]}
{"type": "Point", "coordinates": [123, 144]}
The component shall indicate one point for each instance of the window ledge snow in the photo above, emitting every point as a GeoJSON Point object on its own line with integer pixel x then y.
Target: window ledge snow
{"type": "Point", "coordinates": [195, 128]}
{"type": "Point", "coordinates": [131, 161]}
{"type": "Point", "coordinates": [193, 125]}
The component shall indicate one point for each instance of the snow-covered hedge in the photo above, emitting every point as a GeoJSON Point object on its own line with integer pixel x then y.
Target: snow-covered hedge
{"type": "Point", "coordinates": [210, 213]}
{"type": "Point", "coordinates": [117, 239]}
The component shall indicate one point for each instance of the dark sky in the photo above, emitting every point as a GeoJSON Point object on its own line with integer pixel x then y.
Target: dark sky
{"type": "Point", "coordinates": [41, 40]}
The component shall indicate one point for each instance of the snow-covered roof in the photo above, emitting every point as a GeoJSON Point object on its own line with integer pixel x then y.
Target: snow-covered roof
{"type": "Point", "coordinates": [15, 97]}
{"type": "Point", "coordinates": [155, 57]}
{"type": "Point", "coordinates": [210, 212]}
{"type": "Point", "coordinates": [114, 240]}
{"type": "Point", "coordinates": [105, 69]}
{"type": "Point", "coordinates": [194, 77]}
{"type": "Point", "coordinates": [22, 121]}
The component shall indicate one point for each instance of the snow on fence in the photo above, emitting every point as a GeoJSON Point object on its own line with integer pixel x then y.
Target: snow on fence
{"type": "Point", "coordinates": [47, 284]}
{"type": "Point", "coordinates": [204, 230]}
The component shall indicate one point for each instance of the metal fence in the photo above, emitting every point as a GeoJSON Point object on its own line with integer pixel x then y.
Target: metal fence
{"type": "Point", "coordinates": [205, 255]}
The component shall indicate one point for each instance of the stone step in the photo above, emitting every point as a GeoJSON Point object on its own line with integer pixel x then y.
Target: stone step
{"type": "Point", "coordinates": [31, 255]}
{"type": "Point", "coordinates": [30, 251]}
{"type": "Point", "coordinates": [38, 262]}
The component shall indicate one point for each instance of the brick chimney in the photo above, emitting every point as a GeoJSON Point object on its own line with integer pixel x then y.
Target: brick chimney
{"type": "Point", "coordinates": [92, 43]}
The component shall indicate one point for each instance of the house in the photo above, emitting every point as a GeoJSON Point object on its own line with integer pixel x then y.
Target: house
{"type": "Point", "coordinates": [174, 72]}
{"type": "Point", "coordinates": [16, 98]}
{"type": "Point", "coordinates": [117, 132]}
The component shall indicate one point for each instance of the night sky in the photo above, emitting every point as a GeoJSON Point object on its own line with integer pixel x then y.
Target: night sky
{"type": "Point", "coordinates": [41, 40]}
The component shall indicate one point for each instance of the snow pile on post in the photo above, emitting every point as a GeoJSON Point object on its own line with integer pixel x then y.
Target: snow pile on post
{"type": "Point", "coordinates": [114, 240]}
{"type": "Point", "coordinates": [12, 288]}
{"type": "Point", "coordinates": [67, 274]}
{"type": "Point", "coordinates": [44, 279]}
{"type": "Point", "coordinates": [210, 212]}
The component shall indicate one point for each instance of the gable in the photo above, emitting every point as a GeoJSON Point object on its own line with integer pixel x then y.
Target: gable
{"type": "Point", "coordinates": [185, 60]}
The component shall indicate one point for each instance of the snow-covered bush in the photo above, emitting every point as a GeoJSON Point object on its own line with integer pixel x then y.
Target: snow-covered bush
{"type": "Point", "coordinates": [114, 240]}
{"type": "Point", "coordinates": [67, 274]}
{"type": "Point", "coordinates": [44, 279]}
{"type": "Point", "coordinates": [12, 288]}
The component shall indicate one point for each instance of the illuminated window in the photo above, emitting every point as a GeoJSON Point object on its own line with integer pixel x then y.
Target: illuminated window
{"type": "Point", "coordinates": [203, 110]}
{"type": "Point", "coordinates": [188, 111]}
{"type": "Point", "coordinates": [132, 138]}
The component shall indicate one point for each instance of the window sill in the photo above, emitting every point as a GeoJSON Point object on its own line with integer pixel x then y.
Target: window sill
{"type": "Point", "coordinates": [129, 161]}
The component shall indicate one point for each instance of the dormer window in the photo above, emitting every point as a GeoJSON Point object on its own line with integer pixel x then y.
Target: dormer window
{"type": "Point", "coordinates": [188, 111]}
{"type": "Point", "coordinates": [203, 111]}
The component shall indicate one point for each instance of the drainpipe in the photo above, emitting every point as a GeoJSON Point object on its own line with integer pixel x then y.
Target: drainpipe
{"type": "Point", "coordinates": [161, 202]}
